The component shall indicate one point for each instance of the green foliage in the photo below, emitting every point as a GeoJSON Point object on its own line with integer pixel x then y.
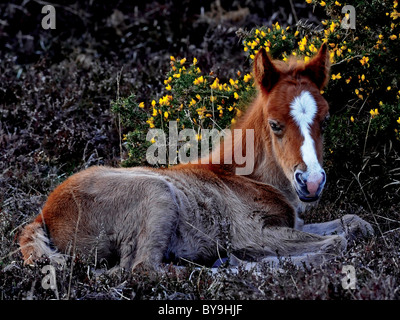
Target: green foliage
{"type": "Point", "coordinates": [193, 99]}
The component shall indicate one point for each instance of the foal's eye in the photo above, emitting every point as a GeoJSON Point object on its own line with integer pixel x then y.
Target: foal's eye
{"type": "Point", "coordinates": [324, 123]}
{"type": "Point", "coordinates": [275, 126]}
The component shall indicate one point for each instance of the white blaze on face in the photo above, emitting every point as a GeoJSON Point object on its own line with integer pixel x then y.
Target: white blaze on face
{"type": "Point", "coordinates": [303, 110]}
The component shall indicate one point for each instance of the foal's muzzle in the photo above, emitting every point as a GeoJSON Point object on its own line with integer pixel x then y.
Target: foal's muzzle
{"type": "Point", "coordinates": [309, 185]}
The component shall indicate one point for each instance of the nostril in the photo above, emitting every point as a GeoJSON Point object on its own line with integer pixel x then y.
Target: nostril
{"type": "Point", "coordinates": [299, 178]}
{"type": "Point", "coordinates": [323, 177]}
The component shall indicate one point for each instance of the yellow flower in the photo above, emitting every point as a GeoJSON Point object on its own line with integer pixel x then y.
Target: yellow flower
{"type": "Point", "coordinates": [284, 38]}
{"type": "Point", "coordinates": [374, 113]}
{"type": "Point", "coordinates": [352, 119]}
{"type": "Point", "coordinates": [192, 102]}
{"type": "Point", "coordinates": [247, 78]}
{"type": "Point", "coordinates": [332, 26]}
{"type": "Point", "coordinates": [194, 61]}
{"type": "Point", "coordinates": [393, 37]}
{"type": "Point", "coordinates": [168, 87]}
{"type": "Point", "coordinates": [152, 140]}
{"type": "Point", "coordinates": [150, 122]}
{"type": "Point", "coordinates": [215, 84]}
{"type": "Point", "coordinates": [154, 112]}
{"type": "Point", "coordinates": [309, 1]}
{"type": "Point", "coordinates": [168, 80]}
{"type": "Point", "coordinates": [336, 77]}
{"type": "Point", "coordinates": [362, 77]}
{"type": "Point", "coordinates": [398, 120]}
{"type": "Point", "coordinates": [389, 88]}
{"type": "Point", "coordinates": [198, 137]}
{"type": "Point", "coordinates": [245, 49]}
{"type": "Point", "coordinates": [322, 3]}
{"type": "Point", "coordinates": [394, 15]}
{"type": "Point", "coordinates": [153, 103]}
{"type": "Point", "coordinates": [296, 33]}
{"type": "Point", "coordinates": [253, 44]}
{"type": "Point", "coordinates": [364, 60]}
{"type": "Point", "coordinates": [199, 80]}
{"type": "Point", "coordinates": [166, 115]}
{"type": "Point", "coordinates": [233, 121]}
{"type": "Point", "coordinates": [236, 96]}
{"type": "Point", "coordinates": [252, 56]}
{"type": "Point", "coordinates": [165, 101]}
{"type": "Point", "coordinates": [312, 48]}
{"type": "Point", "coordinates": [172, 58]}
{"type": "Point", "coordinates": [177, 75]}
{"type": "Point", "coordinates": [332, 57]}
{"type": "Point", "coordinates": [141, 105]}
{"type": "Point", "coordinates": [198, 96]}
{"type": "Point", "coordinates": [337, 3]}
{"type": "Point", "coordinates": [182, 61]}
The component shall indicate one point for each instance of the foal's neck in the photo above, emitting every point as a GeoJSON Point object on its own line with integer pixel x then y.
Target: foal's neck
{"type": "Point", "coordinates": [266, 168]}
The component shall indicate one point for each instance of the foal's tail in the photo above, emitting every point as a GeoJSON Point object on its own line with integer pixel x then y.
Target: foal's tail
{"type": "Point", "coordinates": [35, 243]}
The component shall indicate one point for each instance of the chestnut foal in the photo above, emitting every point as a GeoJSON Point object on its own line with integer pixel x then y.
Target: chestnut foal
{"type": "Point", "coordinates": [140, 217]}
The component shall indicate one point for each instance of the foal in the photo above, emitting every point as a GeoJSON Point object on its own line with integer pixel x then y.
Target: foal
{"type": "Point", "coordinates": [141, 217]}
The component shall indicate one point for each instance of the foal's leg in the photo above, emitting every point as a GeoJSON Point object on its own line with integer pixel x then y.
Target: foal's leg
{"type": "Point", "coordinates": [288, 242]}
{"type": "Point", "coordinates": [154, 220]}
{"type": "Point", "coordinates": [350, 226]}
{"type": "Point", "coordinates": [146, 252]}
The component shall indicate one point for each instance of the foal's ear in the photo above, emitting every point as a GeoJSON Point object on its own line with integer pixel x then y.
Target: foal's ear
{"type": "Point", "coordinates": [265, 73]}
{"type": "Point", "coordinates": [318, 68]}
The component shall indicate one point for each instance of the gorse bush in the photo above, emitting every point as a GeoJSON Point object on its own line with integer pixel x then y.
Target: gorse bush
{"type": "Point", "coordinates": [363, 136]}
{"type": "Point", "coordinates": [193, 99]}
